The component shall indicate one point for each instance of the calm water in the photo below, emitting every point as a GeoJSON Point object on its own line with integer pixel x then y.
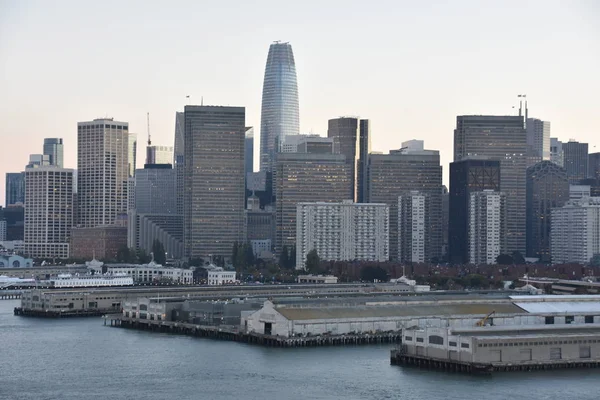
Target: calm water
{"type": "Point", "coordinates": [81, 359]}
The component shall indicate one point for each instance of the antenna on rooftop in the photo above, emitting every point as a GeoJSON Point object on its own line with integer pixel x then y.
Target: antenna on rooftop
{"type": "Point", "coordinates": [148, 123]}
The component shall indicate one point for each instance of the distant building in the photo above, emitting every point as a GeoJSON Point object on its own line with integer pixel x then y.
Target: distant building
{"type": "Point", "coordinates": [249, 151]}
{"type": "Point", "coordinates": [413, 218]}
{"type": "Point", "coordinates": [262, 248]}
{"type": "Point", "coordinates": [400, 172]}
{"type": "Point", "coordinates": [53, 148]}
{"type": "Point", "coordinates": [155, 188]}
{"type": "Point", "coordinates": [445, 219]}
{"type": "Point", "coordinates": [48, 211]}
{"type": "Point", "coordinates": [497, 137]}
{"type": "Point", "coordinates": [15, 261]}
{"type": "Point", "coordinates": [102, 242]}
{"type": "Point", "coordinates": [317, 279]}
{"type": "Point", "coordinates": [557, 155]}
{"type": "Point", "coordinates": [214, 180]}
{"type": "Point", "coordinates": [487, 226]}
{"type": "Point", "coordinates": [346, 132]}
{"type": "Point", "coordinates": [313, 144]}
{"type": "Point", "coordinates": [576, 160]}
{"type": "Point", "coordinates": [38, 160]}
{"type": "Point", "coordinates": [578, 192]}
{"type": "Point", "coordinates": [103, 168]}
{"type": "Point", "coordinates": [132, 154]}
{"type": "Point", "coordinates": [259, 223]}
{"type": "Point", "coordinates": [15, 188]}
{"type": "Point", "coordinates": [538, 141]}
{"type": "Point", "coordinates": [178, 158]}
{"type": "Point", "coordinates": [575, 235]}
{"type": "Point", "coordinates": [343, 231]}
{"type": "Point", "coordinates": [306, 177]}
{"type": "Point", "coordinates": [2, 230]}
{"type": "Point", "coordinates": [159, 155]}
{"type": "Point", "coordinates": [218, 276]}
{"type": "Point", "coordinates": [14, 215]}
{"type": "Point", "coordinates": [547, 188]}
{"type": "Point", "coordinates": [594, 166]}
{"type": "Point", "coordinates": [144, 229]}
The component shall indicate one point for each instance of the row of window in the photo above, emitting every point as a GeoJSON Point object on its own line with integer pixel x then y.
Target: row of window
{"type": "Point", "coordinates": [538, 343]}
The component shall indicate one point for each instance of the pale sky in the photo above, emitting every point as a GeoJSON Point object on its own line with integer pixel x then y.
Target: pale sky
{"type": "Point", "coordinates": [409, 66]}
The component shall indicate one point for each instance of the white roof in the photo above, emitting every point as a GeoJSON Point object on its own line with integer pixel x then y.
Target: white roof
{"type": "Point", "coordinates": [561, 307]}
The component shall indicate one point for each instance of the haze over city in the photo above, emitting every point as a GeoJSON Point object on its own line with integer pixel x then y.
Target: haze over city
{"type": "Point", "coordinates": [410, 68]}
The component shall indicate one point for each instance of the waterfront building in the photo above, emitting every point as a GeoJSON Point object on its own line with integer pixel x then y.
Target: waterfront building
{"type": "Point", "coordinates": [501, 138]}
{"type": "Point", "coordinates": [547, 188]}
{"type": "Point", "coordinates": [487, 226]}
{"type": "Point", "coordinates": [344, 231]}
{"type": "Point", "coordinates": [538, 141]}
{"type": "Point", "coordinates": [280, 111]}
{"type": "Point", "coordinates": [102, 242]}
{"type": "Point", "coordinates": [249, 151]}
{"type": "Point", "coordinates": [557, 155]}
{"type": "Point", "coordinates": [466, 177]}
{"type": "Point", "coordinates": [48, 211]}
{"type": "Point", "coordinates": [53, 148]}
{"type": "Point", "coordinates": [15, 188]}
{"type": "Point", "coordinates": [14, 261]}
{"type": "Point", "coordinates": [102, 171]}
{"type": "Point", "coordinates": [345, 131]}
{"type": "Point", "coordinates": [132, 154]}
{"type": "Point", "coordinates": [214, 181]}
{"type": "Point", "coordinates": [594, 166]}
{"type": "Point", "coordinates": [178, 158]}
{"type": "Point", "coordinates": [159, 155]}
{"type": "Point", "coordinates": [328, 279]}
{"type": "Point", "coordinates": [364, 149]}
{"type": "Point", "coordinates": [413, 215]}
{"type": "Point", "coordinates": [306, 177]}
{"type": "Point", "coordinates": [575, 231]}
{"type": "Point", "coordinates": [576, 160]}
{"type": "Point", "coordinates": [395, 174]}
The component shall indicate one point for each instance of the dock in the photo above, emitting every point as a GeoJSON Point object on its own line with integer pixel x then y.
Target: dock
{"type": "Point", "coordinates": [232, 333]}
{"type": "Point", "coordinates": [10, 294]}
{"type": "Point", "coordinates": [19, 311]}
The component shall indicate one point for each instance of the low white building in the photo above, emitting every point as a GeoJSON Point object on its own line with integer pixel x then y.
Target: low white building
{"type": "Point", "coordinates": [218, 276]}
{"type": "Point", "coordinates": [146, 273]}
{"type": "Point", "coordinates": [317, 279]}
{"type": "Point", "coordinates": [575, 231]}
{"type": "Point", "coordinates": [343, 231]}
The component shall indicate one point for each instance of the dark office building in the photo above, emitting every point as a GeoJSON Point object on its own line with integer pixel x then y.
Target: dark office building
{"type": "Point", "coordinates": [344, 131]}
{"type": "Point", "coordinates": [576, 161]}
{"type": "Point", "coordinates": [15, 188]}
{"type": "Point", "coordinates": [547, 188]}
{"type": "Point", "coordinates": [14, 215]}
{"type": "Point", "coordinates": [594, 166]}
{"type": "Point", "coordinates": [364, 142]}
{"type": "Point", "coordinates": [249, 150]}
{"type": "Point", "coordinates": [466, 177]}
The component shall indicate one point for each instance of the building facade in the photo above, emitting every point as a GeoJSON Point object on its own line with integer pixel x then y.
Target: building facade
{"type": "Point", "coordinates": [15, 188]}
{"type": "Point", "coordinates": [249, 151]}
{"type": "Point", "coordinates": [538, 141]}
{"type": "Point", "coordinates": [53, 148]}
{"type": "Point", "coordinates": [487, 226]}
{"type": "Point", "coordinates": [132, 154]}
{"type": "Point", "coordinates": [575, 233]}
{"type": "Point", "coordinates": [557, 155]}
{"type": "Point", "coordinates": [48, 211]}
{"type": "Point", "coordinates": [101, 242]}
{"type": "Point", "coordinates": [395, 174]}
{"type": "Point", "coordinates": [413, 215]}
{"type": "Point", "coordinates": [280, 112]}
{"type": "Point", "coordinates": [576, 160]}
{"type": "Point", "coordinates": [547, 188]}
{"type": "Point", "coordinates": [501, 138]}
{"type": "Point", "coordinates": [214, 181]}
{"type": "Point", "coordinates": [178, 158]}
{"type": "Point", "coordinates": [345, 131]}
{"type": "Point", "coordinates": [364, 149]}
{"type": "Point", "coordinates": [302, 178]}
{"type": "Point", "coordinates": [102, 171]}
{"type": "Point", "coordinates": [594, 166]}
{"type": "Point", "coordinates": [155, 188]}
{"type": "Point", "coordinates": [343, 231]}
{"type": "Point", "coordinates": [159, 155]}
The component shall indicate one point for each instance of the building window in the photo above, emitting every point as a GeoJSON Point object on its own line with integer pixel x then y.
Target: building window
{"type": "Point", "coordinates": [408, 338]}
{"type": "Point", "coordinates": [464, 345]}
{"type": "Point", "coordinates": [452, 344]}
{"type": "Point", "coordinates": [569, 319]}
{"type": "Point", "coordinates": [589, 319]}
{"type": "Point", "coordinates": [435, 339]}
{"type": "Point", "coordinates": [420, 339]}
{"type": "Point", "coordinates": [584, 352]}
{"type": "Point", "coordinates": [549, 320]}
{"type": "Point", "coordinates": [555, 353]}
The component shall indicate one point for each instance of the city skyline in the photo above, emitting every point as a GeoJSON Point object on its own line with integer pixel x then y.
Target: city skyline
{"type": "Point", "coordinates": [397, 90]}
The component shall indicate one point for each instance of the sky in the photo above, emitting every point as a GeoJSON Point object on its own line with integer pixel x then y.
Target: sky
{"type": "Point", "coordinates": [410, 67]}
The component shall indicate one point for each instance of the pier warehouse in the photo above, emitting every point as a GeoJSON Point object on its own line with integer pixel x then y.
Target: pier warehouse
{"type": "Point", "coordinates": [289, 320]}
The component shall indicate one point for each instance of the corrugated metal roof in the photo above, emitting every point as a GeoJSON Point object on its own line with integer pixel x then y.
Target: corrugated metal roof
{"type": "Point", "coordinates": [559, 297]}
{"type": "Point", "coordinates": [397, 311]}
{"type": "Point", "coordinates": [561, 307]}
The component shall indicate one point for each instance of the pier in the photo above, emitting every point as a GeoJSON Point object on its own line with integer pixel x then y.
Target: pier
{"type": "Point", "coordinates": [233, 334]}
{"type": "Point", "coordinates": [57, 313]}
{"type": "Point", "coordinates": [10, 294]}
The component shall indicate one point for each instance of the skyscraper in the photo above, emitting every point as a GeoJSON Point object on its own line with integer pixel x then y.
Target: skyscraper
{"type": "Point", "coordinates": [53, 148]}
{"type": "Point", "coordinates": [306, 177]}
{"type": "Point", "coordinates": [466, 177]}
{"type": "Point", "coordinates": [279, 114]}
{"type": "Point", "coordinates": [15, 188]}
{"type": "Point", "coordinates": [249, 150]}
{"type": "Point", "coordinates": [502, 138]}
{"type": "Point", "coordinates": [154, 188]}
{"type": "Point", "coordinates": [413, 208]}
{"type": "Point", "coordinates": [103, 168]}
{"type": "Point", "coordinates": [132, 154]}
{"type": "Point", "coordinates": [556, 152]}
{"type": "Point", "coordinates": [38, 160]}
{"type": "Point", "coordinates": [538, 141]}
{"type": "Point", "coordinates": [178, 158]}
{"type": "Point", "coordinates": [594, 166]}
{"type": "Point", "coordinates": [214, 179]}
{"type": "Point", "coordinates": [345, 131]}
{"type": "Point", "coordinates": [364, 142]}
{"type": "Point", "coordinates": [48, 211]}
{"type": "Point", "coordinates": [487, 226]}
{"type": "Point", "coordinates": [576, 160]}
{"type": "Point", "coordinates": [547, 188]}
{"type": "Point", "coordinates": [400, 172]}
{"type": "Point", "coordinates": [159, 154]}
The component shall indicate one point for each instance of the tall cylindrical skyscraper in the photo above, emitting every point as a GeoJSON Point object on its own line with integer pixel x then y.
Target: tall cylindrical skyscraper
{"type": "Point", "coordinates": [279, 115]}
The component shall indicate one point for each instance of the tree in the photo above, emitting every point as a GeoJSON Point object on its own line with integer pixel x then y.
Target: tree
{"type": "Point", "coordinates": [284, 257]}
{"type": "Point", "coordinates": [595, 260]}
{"type": "Point", "coordinates": [234, 255]}
{"type": "Point", "coordinates": [158, 250]}
{"type": "Point", "coordinates": [142, 256]}
{"type": "Point", "coordinates": [292, 258]}
{"type": "Point", "coordinates": [518, 258]}
{"type": "Point", "coordinates": [249, 255]}
{"type": "Point", "coordinates": [504, 259]}
{"type": "Point", "coordinates": [370, 274]}
{"type": "Point", "coordinates": [312, 262]}
{"type": "Point", "coordinates": [123, 255]}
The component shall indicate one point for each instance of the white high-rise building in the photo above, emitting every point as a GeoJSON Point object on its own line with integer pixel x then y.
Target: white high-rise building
{"type": "Point", "coordinates": [412, 214]}
{"type": "Point", "coordinates": [2, 230]}
{"type": "Point", "coordinates": [159, 154]}
{"type": "Point", "coordinates": [342, 231]}
{"type": "Point", "coordinates": [557, 155]}
{"type": "Point", "coordinates": [538, 141]}
{"type": "Point", "coordinates": [575, 231]}
{"type": "Point", "coordinates": [48, 211]}
{"type": "Point", "coordinates": [487, 226]}
{"type": "Point", "coordinates": [103, 169]}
